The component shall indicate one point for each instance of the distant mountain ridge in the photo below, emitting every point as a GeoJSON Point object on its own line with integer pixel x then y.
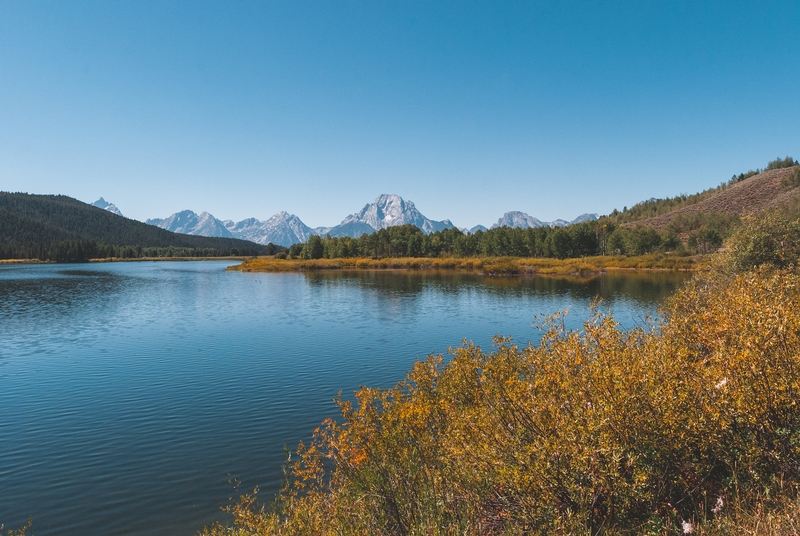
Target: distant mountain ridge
{"type": "Point", "coordinates": [187, 222]}
{"type": "Point", "coordinates": [30, 224]}
{"type": "Point", "coordinates": [284, 229]}
{"type": "Point", "coordinates": [524, 221]}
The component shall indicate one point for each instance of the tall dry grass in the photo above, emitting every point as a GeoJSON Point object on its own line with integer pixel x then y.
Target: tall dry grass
{"type": "Point", "coordinates": [482, 265]}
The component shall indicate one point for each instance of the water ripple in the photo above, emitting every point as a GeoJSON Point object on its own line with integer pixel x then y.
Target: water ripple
{"type": "Point", "coordinates": [130, 392]}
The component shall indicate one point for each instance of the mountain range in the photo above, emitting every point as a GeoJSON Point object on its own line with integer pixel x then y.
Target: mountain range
{"type": "Point", "coordinates": [284, 229]}
{"type": "Point", "coordinates": [57, 227]}
{"type": "Point", "coordinates": [524, 221]}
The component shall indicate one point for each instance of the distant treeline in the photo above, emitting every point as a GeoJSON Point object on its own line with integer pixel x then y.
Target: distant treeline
{"type": "Point", "coordinates": [62, 229]}
{"type": "Point", "coordinates": [593, 238]}
{"type": "Point", "coordinates": [83, 251]}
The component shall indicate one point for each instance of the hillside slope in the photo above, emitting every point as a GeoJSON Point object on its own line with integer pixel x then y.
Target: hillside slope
{"type": "Point", "coordinates": [28, 220]}
{"type": "Point", "coordinates": [759, 192]}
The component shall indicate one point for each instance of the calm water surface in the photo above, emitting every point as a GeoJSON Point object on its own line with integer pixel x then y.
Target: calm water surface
{"type": "Point", "coordinates": [130, 392]}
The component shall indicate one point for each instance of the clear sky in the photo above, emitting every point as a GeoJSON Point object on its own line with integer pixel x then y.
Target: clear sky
{"type": "Point", "coordinates": [468, 109]}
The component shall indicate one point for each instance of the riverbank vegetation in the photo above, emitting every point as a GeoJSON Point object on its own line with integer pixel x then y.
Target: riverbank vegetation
{"type": "Point", "coordinates": [688, 425]}
{"type": "Point", "coordinates": [480, 265]}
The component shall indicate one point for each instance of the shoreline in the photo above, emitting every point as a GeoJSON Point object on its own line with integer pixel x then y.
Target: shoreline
{"type": "Point", "coordinates": [492, 266]}
{"type": "Point", "coordinates": [144, 259]}
{"type": "Point", "coordinates": [121, 259]}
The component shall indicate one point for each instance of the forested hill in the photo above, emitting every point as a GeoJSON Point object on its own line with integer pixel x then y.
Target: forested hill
{"type": "Point", "coordinates": [775, 186]}
{"type": "Point", "coordinates": [60, 228]}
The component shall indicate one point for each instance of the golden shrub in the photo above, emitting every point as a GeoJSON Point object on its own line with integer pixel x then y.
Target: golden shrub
{"type": "Point", "coordinates": [599, 430]}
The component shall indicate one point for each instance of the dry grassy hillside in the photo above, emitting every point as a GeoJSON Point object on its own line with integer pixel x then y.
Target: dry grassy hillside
{"type": "Point", "coordinates": [762, 191]}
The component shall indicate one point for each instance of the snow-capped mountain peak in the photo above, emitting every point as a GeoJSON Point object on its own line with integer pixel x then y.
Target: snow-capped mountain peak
{"type": "Point", "coordinates": [282, 229]}
{"type": "Point", "coordinates": [187, 222]}
{"type": "Point", "coordinates": [388, 210]}
{"type": "Point", "coordinates": [105, 205]}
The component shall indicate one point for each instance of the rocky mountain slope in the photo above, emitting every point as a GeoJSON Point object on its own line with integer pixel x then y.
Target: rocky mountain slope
{"type": "Point", "coordinates": [387, 211]}
{"type": "Point", "coordinates": [281, 229]}
{"type": "Point", "coordinates": [187, 222]}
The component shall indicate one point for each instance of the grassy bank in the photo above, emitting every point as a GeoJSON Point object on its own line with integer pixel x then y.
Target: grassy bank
{"type": "Point", "coordinates": [483, 265]}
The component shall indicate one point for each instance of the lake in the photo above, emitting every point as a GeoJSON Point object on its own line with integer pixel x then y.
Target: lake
{"type": "Point", "coordinates": [131, 392]}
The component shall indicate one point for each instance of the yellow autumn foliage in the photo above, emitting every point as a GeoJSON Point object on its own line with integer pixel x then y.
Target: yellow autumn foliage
{"type": "Point", "coordinates": [665, 429]}
{"type": "Point", "coordinates": [482, 265]}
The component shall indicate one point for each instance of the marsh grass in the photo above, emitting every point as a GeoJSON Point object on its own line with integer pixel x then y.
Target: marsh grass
{"type": "Point", "coordinates": [481, 265]}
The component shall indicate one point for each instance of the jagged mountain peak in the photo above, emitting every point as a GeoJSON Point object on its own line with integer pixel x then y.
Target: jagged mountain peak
{"type": "Point", "coordinates": [105, 205]}
{"type": "Point", "coordinates": [388, 210]}
{"type": "Point", "coordinates": [188, 222]}
{"type": "Point", "coordinates": [282, 229]}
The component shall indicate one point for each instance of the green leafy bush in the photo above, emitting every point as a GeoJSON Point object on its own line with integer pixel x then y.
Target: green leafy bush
{"type": "Point", "coordinates": [767, 238]}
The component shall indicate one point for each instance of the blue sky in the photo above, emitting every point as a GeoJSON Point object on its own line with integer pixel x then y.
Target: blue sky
{"type": "Point", "coordinates": [469, 109]}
